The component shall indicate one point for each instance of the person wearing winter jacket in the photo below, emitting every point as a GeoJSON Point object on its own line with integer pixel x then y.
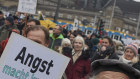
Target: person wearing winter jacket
{"type": "Point", "coordinates": [130, 56]}
{"type": "Point", "coordinates": [79, 66]}
{"type": "Point", "coordinates": [56, 38]}
{"type": "Point", "coordinates": [6, 28]}
{"type": "Point", "coordinates": [65, 43]}
{"type": "Point", "coordinates": [106, 50]}
{"type": "Point", "coordinates": [4, 42]}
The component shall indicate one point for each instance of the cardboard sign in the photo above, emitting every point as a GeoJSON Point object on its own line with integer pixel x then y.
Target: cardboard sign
{"type": "Point", "coordinates": [27, 6]}
{"type": "Point", "coordinates": [25, 59]}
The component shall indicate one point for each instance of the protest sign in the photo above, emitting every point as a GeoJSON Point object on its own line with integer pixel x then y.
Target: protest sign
{"type": "Point", "coordinates": [25, 59]}
{"type": "Point", "coordinates": [76, 24]}
{"type": "Point", "coordinates": [27, 6]}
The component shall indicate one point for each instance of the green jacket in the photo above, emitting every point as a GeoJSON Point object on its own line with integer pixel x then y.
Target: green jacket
{"type": "Point", "coordinates": [55, 41]}
{"type": "Point", "coordinates": [5, 30]}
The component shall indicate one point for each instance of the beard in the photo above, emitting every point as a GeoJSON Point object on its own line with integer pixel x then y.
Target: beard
{"type": "Point", "coordinates": [56, 34]}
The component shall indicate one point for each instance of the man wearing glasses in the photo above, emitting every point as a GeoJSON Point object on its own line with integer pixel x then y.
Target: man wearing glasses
{"type": "Point", "coordinates": [56, 37]}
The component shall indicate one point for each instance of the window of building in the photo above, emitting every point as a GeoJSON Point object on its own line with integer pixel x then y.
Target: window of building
{"type": "Point", "coordinates": [60, 15]}
{"type": "Point", "coordinates": [76, 17]}
{"type": "Point", "coordinates": [131, 27]}
{"type": "Point", "coordinates": [53, 13]}
{"type": "Point", "coordinates": [69, 16]}
{"type": "Point", "coordinates": [48, 13]}
{"type": "Point", "coordinates": [83, 18]}
{"type": "Point", "coordinates": [126, 26]}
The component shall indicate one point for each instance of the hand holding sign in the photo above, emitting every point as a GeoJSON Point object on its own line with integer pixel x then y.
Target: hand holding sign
{"type": "Point", "coordinates": [25, 59]}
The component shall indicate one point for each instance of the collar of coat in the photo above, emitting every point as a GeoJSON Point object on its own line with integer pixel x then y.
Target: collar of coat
{"type": "Point", "coordinates": [59, 37]}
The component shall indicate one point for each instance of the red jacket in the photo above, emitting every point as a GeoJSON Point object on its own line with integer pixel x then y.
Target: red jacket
{"type": "Point", "coordinates": [4, 42]}
{"type": "Point", "coordinates": [80, 69]}
{"type": "Point", "coordinates": [2, 45]}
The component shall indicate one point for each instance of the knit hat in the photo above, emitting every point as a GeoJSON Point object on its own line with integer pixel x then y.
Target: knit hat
{"type": "Point", "coordinates": [133, 48]}
{"type": "Point", "coordinates": [10, 19]}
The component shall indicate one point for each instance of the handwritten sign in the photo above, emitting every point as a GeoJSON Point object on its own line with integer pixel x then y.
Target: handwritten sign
{"type": "Point", "coordinates": [27, 6]}
{"type": "Point", "coordinates": [25, 59]}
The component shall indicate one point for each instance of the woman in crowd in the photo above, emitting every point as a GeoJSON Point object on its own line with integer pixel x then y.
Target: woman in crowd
{"type": "Point", "coordinates": [79, 65]}
{"type": "Point", "coordinates": [106, 50]}
{"type": "Point", "coordinates": [66, 43]}
{"type": "Point", "coordinates": [72, 36]}
{"type": "Point", "coordinates": [130, 56]}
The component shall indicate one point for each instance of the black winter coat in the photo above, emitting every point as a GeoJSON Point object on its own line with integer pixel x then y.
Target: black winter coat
{"type": "Point", "coordinates": [109, 53]}
{"type": "Point", "coordinates": [2, 22]}
{"type": "Point", "coordinates": [137, 65]}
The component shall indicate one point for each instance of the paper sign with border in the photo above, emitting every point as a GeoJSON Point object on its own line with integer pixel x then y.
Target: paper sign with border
{"type": "Point", "coordinates": [45, 64]}
{"type": "Point", "coordinates": [27, 6]}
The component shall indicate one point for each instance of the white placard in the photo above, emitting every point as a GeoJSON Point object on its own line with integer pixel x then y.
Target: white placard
{"type": "Point", "coordinates": [27, 6]}
{"type": "Point", "coordinates": [76, 24]}
{"type": "Point", "coordinates": [25, 59]}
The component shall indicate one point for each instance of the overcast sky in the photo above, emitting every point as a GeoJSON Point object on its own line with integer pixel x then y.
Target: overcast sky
{"type": "Point", "coordinates": [137, 0]}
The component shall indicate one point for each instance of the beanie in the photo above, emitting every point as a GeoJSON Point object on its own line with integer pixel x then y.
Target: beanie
{"type": "Point", "coordinates": [10, 19]}
{"type": "Point", "coordinates": [133, 48]}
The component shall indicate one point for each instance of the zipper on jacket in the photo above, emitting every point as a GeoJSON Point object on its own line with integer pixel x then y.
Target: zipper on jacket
{"type": "Point", "coordinates": [52, 44]}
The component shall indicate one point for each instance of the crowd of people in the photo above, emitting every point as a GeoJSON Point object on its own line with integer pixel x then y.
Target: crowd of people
{"type": "Point", "coordinates": [91, 57]}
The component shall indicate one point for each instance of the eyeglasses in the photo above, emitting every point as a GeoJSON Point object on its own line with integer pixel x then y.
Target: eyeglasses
{"type": "Point", "coordinates": [55, 29]}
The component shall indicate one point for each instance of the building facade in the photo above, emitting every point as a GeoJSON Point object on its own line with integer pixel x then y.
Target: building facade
{"type": "Point", "coordinates": [83, 10]}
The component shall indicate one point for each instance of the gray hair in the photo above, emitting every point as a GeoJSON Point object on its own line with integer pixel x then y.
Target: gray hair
{"type": "Point", "coordinates": [66, 41]}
